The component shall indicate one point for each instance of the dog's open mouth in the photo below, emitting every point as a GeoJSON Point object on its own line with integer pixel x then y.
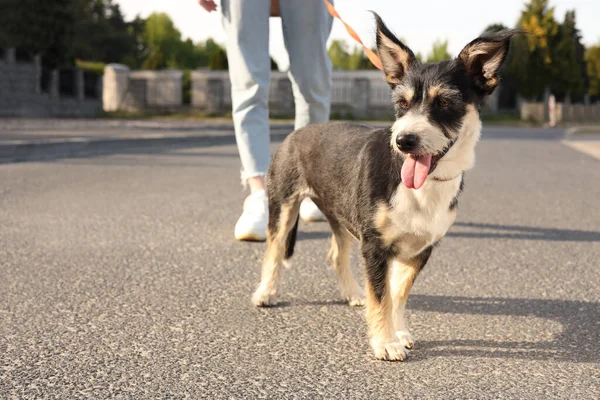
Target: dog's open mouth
{"type": "Point", "coordinates": [416, 167]}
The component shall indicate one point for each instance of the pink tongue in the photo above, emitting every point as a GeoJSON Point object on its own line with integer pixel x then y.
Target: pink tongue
{"type": "Point", "coordinates": [415, 170]}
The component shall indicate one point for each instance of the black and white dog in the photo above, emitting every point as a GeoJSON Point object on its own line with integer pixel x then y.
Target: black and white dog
{"type": "Point", "coordinates": [395, 190]}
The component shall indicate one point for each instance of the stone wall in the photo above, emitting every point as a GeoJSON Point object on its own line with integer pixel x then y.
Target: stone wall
{"type": "Point", "coordinates": [22, 95]}
{"type": "Point", "coordinates": [565, 112]}
{"type": "Point", "coordinates": [355, 94]}
{"type": "Point", "coordinates": [141, 91]}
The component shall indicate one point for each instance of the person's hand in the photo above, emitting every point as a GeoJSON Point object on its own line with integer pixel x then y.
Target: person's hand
{"type": "Point", "coordinates": [208, 5]}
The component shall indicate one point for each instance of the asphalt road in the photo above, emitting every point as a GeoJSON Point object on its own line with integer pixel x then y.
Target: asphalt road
{"type": "Point", "coordinates": [120, 278]}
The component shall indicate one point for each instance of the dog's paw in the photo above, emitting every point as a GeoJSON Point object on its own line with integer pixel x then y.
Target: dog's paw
{"type": "Point", "coordinates": [406, 339]}
{"type": "Point", "coordinates": [356, 299]}
{"type": "Point", "coordinates": [264, 299]}
{"type": "Point", "coordinates": [391, 351]}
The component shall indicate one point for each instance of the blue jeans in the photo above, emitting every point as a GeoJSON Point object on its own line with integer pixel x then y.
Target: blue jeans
{"type": "Point", "coordinates": [306, 26]}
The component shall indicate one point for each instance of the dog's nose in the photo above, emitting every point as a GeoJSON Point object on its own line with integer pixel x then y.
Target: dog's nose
{"type": "Point", "coordinates": [407, 142]}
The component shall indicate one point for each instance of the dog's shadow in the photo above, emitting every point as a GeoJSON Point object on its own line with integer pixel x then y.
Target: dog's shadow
{"type": "Point", "coordinates": [579, 340]}
{"type": "Point", "coordinates": [314, 235]}
{"type": "Point", "coordinates": [496, 231]}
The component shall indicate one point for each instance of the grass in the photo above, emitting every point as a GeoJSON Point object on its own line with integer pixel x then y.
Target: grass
{"type": "Point", "coordinates": [178, 115]}
{"type": "Point", "coordinates": [95, 67]}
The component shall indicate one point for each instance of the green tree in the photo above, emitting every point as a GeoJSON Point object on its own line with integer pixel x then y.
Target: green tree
{"type": "Point", "coordinates": [358, 60]}
{"type": "Point", "coordinates": [568, 67]}
{"type": "Point", "coordinates": [206, 51]}
{"type": "Point", "coordinates": [342, 58]}
{"type": "Point", "coordinates": [515, 61]}
{"type": "Point", "coordinates": [439, 52]}
{"type": "Point", "coordinates": [39, 27]}
{"type": "Point", "coordinates": [592, 57]}
{"type": "Point", "coordinates": [534, 72]}
{"type": "Point", "coordinates": [497, 27]}
{"type": "Point", "coordinates": [163, 40]}
{"type": "Point", "coordinates": [188, 55]}
{"type": "Point", "coordinates": [218, 60]}
{"type": "Point", "coordinates": [211, 47]}
{"type": "Point", "coordinates": [101, 32]}
{"type": "Point", "coordinates": [338, 53]}
{"type": "Point", "coordinates": [139, 50]}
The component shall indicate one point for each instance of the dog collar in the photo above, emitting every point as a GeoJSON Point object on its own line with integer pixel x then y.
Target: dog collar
{"type": "Point", "coordinates": [435, 178]}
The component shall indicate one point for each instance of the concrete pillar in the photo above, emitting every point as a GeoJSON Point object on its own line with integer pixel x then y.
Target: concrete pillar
{"type": "Point", "coordinates": [546, 100]}
{"type": "Point", "coordinates": [114, 86]}
{"type": "Point", "coordinates": [37, 61]}
{"type": "Point", "coordinates": [54, 84]}
{"type": "Point", "coordinates": [586, 99]}
{"type": "Point", "coordinates": [215, 96]}
{"type": "Point", "coordinates": [198, 96]}
{"type": "Point", "coordinates": [361, 93]}
{"type": "Point", "coordinates": [284, 97]}
{"type": "Point", "coordinates": [10, 56]}
{"type": "Point", "coordinates": [79, 85]}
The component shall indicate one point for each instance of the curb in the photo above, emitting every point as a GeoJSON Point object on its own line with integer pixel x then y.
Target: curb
{"type": "Point", "coordinates": [15, 125]}
{"type": "Point", "coordinates": [585, 130]}
{"type": "Point", "coordinates": [14, 151]}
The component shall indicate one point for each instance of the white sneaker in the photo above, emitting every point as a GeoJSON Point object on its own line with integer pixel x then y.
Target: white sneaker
{"type": "Point", "coordinates": [309, 212]}
{"type": "Point", "coordinates": [252, 225]}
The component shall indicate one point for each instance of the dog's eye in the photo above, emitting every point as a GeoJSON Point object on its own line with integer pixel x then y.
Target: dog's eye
{"type": "Point", "coordinates": [443, 103]}
{"type": "Point", "coordinates": [403, 103]}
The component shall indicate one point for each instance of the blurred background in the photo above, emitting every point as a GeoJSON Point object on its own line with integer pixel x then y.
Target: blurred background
{"type": "Point", "coordinates": [90, 58]}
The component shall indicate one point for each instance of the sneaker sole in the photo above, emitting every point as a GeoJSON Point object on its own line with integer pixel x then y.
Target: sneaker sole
{"type": "Point", "coordinates": [250, 238]}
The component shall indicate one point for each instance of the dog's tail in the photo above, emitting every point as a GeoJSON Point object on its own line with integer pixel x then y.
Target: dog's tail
{"type": "Point", "coordinates": [291, 240]}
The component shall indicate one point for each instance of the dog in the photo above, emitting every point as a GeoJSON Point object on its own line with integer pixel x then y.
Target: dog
{"type": "Point", "coordinates": [395, 190]}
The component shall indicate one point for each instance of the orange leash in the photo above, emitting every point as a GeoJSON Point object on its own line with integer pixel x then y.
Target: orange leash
{"type": "Point", "coordinates": [370, 53]}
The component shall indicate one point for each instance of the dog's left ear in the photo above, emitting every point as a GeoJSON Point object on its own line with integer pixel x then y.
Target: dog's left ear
{"type": "Point", "coordinates": [396, 57]}
{"type": "Point", "coordinates": [484, 56]}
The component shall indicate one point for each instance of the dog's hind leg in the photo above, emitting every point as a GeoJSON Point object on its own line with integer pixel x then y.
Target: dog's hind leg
{"type": "Point", "coordinates": [403, 275]}
{"type": "Point", "coordinates": [281, 237]}
{"type": "Point", "coordinates": [384, 342]}
{"type": "Point", "coordinates": [339, 257]}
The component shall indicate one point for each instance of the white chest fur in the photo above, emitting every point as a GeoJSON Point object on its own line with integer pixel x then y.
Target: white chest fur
{"type": "Point", "coordinates": [415, 219]}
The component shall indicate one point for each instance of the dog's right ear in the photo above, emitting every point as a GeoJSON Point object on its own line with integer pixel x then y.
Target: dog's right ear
{"type": "Point", "coordinates": [484, 56]}
{"type": "Point", "coordinates": [396, 57]}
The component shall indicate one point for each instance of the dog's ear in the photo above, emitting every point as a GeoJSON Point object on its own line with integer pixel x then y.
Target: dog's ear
{"type": "Point", "coordinates": [396, 57]}
{"type": "Point", "coordinates": [484, 56]}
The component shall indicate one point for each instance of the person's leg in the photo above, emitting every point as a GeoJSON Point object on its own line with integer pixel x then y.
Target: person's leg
{"type": "Point", "coordinates": [306, 27]}
{"type": "Point", "coordinates": [246, 24]}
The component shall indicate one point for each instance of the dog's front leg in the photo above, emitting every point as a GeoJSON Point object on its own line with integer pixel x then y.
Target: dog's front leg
{"type": "Point", "coordinates": [382, 333]}
{"type": "Point", "coordinates": [403, 275]}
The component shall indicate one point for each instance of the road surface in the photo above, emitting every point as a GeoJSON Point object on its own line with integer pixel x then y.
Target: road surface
{"type": "Point", "coordinates": [120, 278]}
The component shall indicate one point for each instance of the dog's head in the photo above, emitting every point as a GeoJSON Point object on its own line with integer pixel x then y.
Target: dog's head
{"type": "Point", "coordinates": [437, 103]}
